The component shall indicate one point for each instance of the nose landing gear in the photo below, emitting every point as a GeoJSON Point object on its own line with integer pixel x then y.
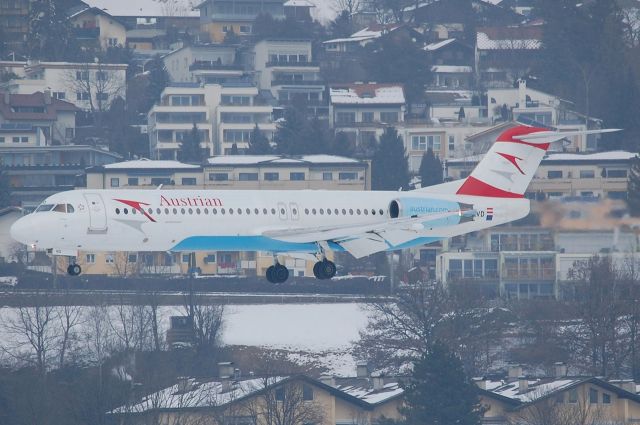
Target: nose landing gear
{"type": "Point", "coordinates": [74, 270]}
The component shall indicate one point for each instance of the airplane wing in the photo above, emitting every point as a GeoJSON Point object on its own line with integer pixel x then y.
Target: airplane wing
{"type": "Point", "coordinates": [364, 239]}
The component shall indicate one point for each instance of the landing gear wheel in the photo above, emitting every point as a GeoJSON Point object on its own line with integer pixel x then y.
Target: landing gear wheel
{"type": "Point", "coordinates": [270, 274]}
{"type": "Point", "coordinates": [324, 269]}
{"type": "Point", "coordinates": [74, 270]}
{"type": "Point", "coordinates": [281, 273]}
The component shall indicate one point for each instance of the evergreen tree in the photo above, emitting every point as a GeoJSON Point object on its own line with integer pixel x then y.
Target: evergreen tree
{"type": "Point", "coordinates": [158, 80]}
{"type": "Point", "coordinates": [430, 169]}
{"type": "Point", "coordinates": [389, 166]}
{"type": "Point", "coordinates": [291, 134]}
{"type": "Point", "coordinates": [340, 145]}
{"type": "Point", "coordinates": [633, 189]}
{"type": "Point", "coordinates": [439, 393]}
{"type": "Point", "coordinates": [234, 149]}
{"type": "Point", "coordinates": [258, 143]}
{"type": "Point", "coordinates": [341, 26]}
{"type": "Point", "coordinates": [49, 36]}
{"type": "Point", "coordinates": [190, 150]}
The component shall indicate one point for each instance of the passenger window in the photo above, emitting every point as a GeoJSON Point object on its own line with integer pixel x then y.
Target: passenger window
{"type": "Point", "coordinates": [118, 211]}
{"type": "Point", "coordinates": [175, 211]}
{"type": "Point", "coordinates": [166, 211]}
{"type": "Point", "coordinates": [190, 211]}
{"type": "Point", "coordinates": [373, 212]}
{"type": "Point", "coordinates": [306, 211]}
{"type": "Point", "coordinates": [321, 211]}
{"type": "Point", "coordinates": [230, 211]}
{"type": "Point", "coordinates": [381, 212]}
{"type": "Point", "coordinates": [126, 211]}
{"type": "Point", "coordinates": [256, 211]}
{"type": "Point", "coordinates": [366, 212]}
{"type": "Point", "coordinates": [358, 211]}
{"type": "Point", "coordinates": [328, 211]}
{"type": "Point", "coordinates": [133, 211]}
{"type": "Point", "coordinates": [248, 211]}
{"type": "Point", "coordinates": [182, 211]}
{"type": "Point", "coordinates": [350, 211]}
{"type": "Point", "coordinates": [336, 211]}
{"type": "Point", "coordinates": [313, 211]}
{"type": "Point", "coordinates": [239, 210]}
{"type": "Point", "coordinates": [273, 211]}
{"type": "Point", "coordinates": [222, 211]}
{"type": "Point", "coordinates": [264, 211]}
{"type": "Point", "coordinates": [206, 211]}
{"type": "Point", "coordinates": [215, 211]}
{"type": "Point", "coordinates": [344, 212]}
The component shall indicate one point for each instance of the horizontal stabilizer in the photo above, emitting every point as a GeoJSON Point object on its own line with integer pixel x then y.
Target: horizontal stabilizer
{"type": "Point", "coordinates": [544, 137]}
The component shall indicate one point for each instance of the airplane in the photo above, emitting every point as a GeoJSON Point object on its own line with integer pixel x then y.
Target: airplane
{"type": "Point", "coordinates": [308, 223]}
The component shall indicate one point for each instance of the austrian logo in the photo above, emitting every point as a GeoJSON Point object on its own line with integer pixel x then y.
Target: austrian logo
{"type": "Point", "coordinates": [512, 159]}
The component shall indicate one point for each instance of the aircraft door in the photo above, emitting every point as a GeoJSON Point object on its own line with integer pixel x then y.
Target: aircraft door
{"type": "Point", "coordinates": [97, 213]}
{"type": "Point", "coordinates": [282, 210]}
{"type": "Point", "coordinates": [295, 212]}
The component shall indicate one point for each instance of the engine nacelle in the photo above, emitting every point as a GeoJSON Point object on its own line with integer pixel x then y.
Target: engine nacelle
{"type": "Point", "coordinates": [414, 207]}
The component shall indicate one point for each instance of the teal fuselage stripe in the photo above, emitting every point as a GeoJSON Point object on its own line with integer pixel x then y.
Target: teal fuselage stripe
{"type": "Point", "coordinates": [262, 243]}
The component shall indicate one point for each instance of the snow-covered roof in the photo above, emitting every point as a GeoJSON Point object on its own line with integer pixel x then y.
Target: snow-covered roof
{"type": "Point", "coordinates": [508, 39]}
{"type": "Point", "coordinates": [367, 393]}
{"type": "Point", "coordinates": [451, 68]}
{"type": "Point", "coordinates": [144, 8]}
{"type": "Point", "coordinates": [299, 3]}
{"type": "Point", "coordinates": [440, 44]}
{"type": "Point", "coordinates": [537, 388]}
{"type": "Point", "coordinates": [149, 164]}
{"type": "Point", "coordinates": [367, 94]}
{"type": "Point", "coordinates": [369, 33]}
{"type": "Point", "coordinates": [279, 159]}
{"type": "Point", "coordinates": [600, 156]}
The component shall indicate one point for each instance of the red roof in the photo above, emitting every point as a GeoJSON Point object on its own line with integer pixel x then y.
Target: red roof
{"type": "Point", "coordinates": [36, 99]}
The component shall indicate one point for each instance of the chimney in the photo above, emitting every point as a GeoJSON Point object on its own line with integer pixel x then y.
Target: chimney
{"type": "Point", "coordinates": [328, 380]}
{"type": "Point", "coordinates": [237, 374]}
{"type": "Point", "coordinates": [378, 381]}
{"type": "Point", "coordinates": [362, 370]}
{"type": "Point", "coordinates": [480, 382]}
{"type": "Point", "coordinates": [560, 369]}
{"type": "Point", "coordinates": [47, 97]}
{"type": "Point", "coordinates": [225, 370]}
{"type": "Point", "coordinates": [515, 371]}
{"type": "Point", "coordinates": [523, 384]}
{"type": "Point", "coordinates": [184, 384]}
{"type": "Point", "coordinates": [522, 93]}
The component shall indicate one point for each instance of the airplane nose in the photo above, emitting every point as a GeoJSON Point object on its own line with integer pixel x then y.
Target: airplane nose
{"type": "Point", "coordinates": [21, 231]}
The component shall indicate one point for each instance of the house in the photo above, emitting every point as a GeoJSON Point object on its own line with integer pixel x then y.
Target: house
{"type": "Point", "coordinates": [219, 17]}
{"type": "Point", "coordinates": [518, 398]}
{"type": "Point", "coordinates": [368, 35]}
{"type": "Point", "coordinates": [147, 39]}
{"type": "Point", "coordinates": [450, 51]}
{"type": "Point", "coordinates": [224, 114]}
{"type": "Point", "coordinates": [214, 63]}
{"type": "Point", "coordinates": [505, 54]}
{"type": "Point", "coordinates": [363, 110]}
{"type": "Point", "coordinates": [87, 85]}
{"type": "Point", "coordinates": [95, 27]}
{"type": "Point", "coordinates": [249, 400]}
{"type": "Point", "coordinates": [234, 172]}
{"type": "Point", "coordinates": [35, 120]}
{"type": "Point", "coordinates": [286, 68]}
{"type": "Point", "coordinates": [299, 10]}
{"type": "Point", "coordinates": [14, 21]}
{"type": "Point", "coordinates": [522, 7]}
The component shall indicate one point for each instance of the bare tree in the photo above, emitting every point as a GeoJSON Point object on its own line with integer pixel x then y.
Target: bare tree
{"type": "Point", "coordinates": [208, 321]}
{"type": "Point", "coordinates": [69, 317]}
{"type": "Point", "coordinates": [351, 6]}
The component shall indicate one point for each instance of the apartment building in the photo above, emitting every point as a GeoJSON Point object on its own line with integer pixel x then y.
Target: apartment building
{"type": "Point", "coordinates": [219, 173]}
{"type": "Point", "coordinates": [36, 172]}
{"type": "Point", "coordinates": [286, 68]}
{"type": "Point", "coordinates": [219, 17]}
{"type": "Point", "coordinates": [89, 86]}
{"type": "Point", "coordinates": [600, 175]}
{"type": "Point", "coordinates": [363, 110]}
{"type": "Point", "coordinates": [14, 21]}
{"type": "Point", "coordinates": [225, 115]}
{"type": "Point", "coordinates": [203, 64]}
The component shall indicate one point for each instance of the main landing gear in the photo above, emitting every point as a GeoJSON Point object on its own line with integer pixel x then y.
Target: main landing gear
{"type": "Point", "coordinates": [277, 273]}
{"type": "Point", "coordinates": [74, 270]}
{"type": "Point", "coordinates": [324, 269]}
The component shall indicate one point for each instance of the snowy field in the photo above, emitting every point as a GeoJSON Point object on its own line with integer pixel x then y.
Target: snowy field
{"type": "Point", "coordinates": [321, 334]}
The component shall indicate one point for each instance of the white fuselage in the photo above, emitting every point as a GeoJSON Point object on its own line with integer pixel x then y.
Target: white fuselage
{"type": "Point", "coordinates": [197, 220]}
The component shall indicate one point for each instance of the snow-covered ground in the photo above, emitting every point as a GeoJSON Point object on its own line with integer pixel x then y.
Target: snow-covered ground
{"type": "Point", "coordinates": [317, 334]}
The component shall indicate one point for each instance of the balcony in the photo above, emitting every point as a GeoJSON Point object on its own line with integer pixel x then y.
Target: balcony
{"type": "Point", "coordinates": [271, 64]}
{"type": "Point", "coordinates": [287, 82]}
{"type": "Point", "coordinates": [90, 33]}
{"type": "Point", "coordinates": [211, 66]}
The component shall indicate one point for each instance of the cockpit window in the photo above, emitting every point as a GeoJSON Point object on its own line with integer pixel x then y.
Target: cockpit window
{"type": "Point", "coordinates": [70, 208]}
{"type": "Point", "coordinates": [60, 208]}
{"type": "Point", "coordinates": [44, 207]}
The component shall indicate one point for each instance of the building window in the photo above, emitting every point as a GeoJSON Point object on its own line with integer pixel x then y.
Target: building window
{"type": "Point", "coordinates": [296, 176]}
{"type": "Point", "coordinates": [422, 143]}
{"type": "Point", "coordinates": [24, 139]}
{"type": "Point", "coordinates": [367, 117]}
{"type": "Point", "coordinates": [69, 133]}
{"type": "Point", "coordinates": [132, 181]}
{"type": "Point", "coordinates": [188, 181]}
{"type": "Point", "coordinates": [186, 258]}
{"type": "Point", "coordinates": [348, 176]}
{"type": "Point", "coordinates": [108, 259]}
{"type": "Point", "coordinates": [345, 117]}
{"type": "Point", "coordinates": [157, 181]}
{"type": "Point", "coordinates": [587, 174]}
{"type": "Point", "coordinates": [245, 29]}
{"type": "Point", "coordinates": [593, 396]}
{"type": "Point", "coordinates": [573, 395]}
{"type": "Point", "coordinates": [15, 139]}
{"type": "Point", "coordinates": [115, 182]}
{"type": "Point", "coordinates": [389, 117]}
{"type": "Point", "coordinates": [82, 96]}
{"type": "Point", "coordinates": [2, 139]}
{"type": "Point", "coordinates": [452, 144]}
{"type": "Point", "coordinates": [60, 95]}
{"type": "Point", "coordinates": [218, 177]}
{"type": "Point", "coordinates": [112, 42]}
{"type": "Point", "coordinates": [554, 174]}
{"type": "Point", "coordinates": [616, 174]}
{"type": "Point", "coordinates": [327, 176]}
{"type": "Point", "coordinates": [90, 258]}
{"type": "Point", "coordinates": [243, 177]}
{"type": "Point", "coordinates": [613, 194]}
{"type": "Point", "coordinates": [272, 176]}
{"type": "Point", "coordinates": [280, 394]}
{"type": "Point", "coordinates": [211, 258]}
{"type": "Point", "coordinates": [235, 100]}
{"type": "Point", "coordinates": [307, 392]}
{"type": "Point", "coordinates": [82, 75]}
{"type": "Point", "coordinates": [101, 75]}
{"type": "Point", "coordinates": [132, 258]}
{"type": "Point", "coordinates": [606, 398]}
{"type": "Point", "coordinates": [102, 96]}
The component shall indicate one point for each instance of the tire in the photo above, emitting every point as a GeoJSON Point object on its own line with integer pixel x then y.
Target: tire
{"type": "Point", "coordinates": [317, 270]}
{"type": "Point", "coordinates": [70, 269]}
{"type": "Point", "coordinates": [328, 269]}
{"type": "Point", "coordinates": [270, 274]}
{"type": "Point", "coordinates": [281, 274]}
{"type": "Point", "coordinates": [76, 269]}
